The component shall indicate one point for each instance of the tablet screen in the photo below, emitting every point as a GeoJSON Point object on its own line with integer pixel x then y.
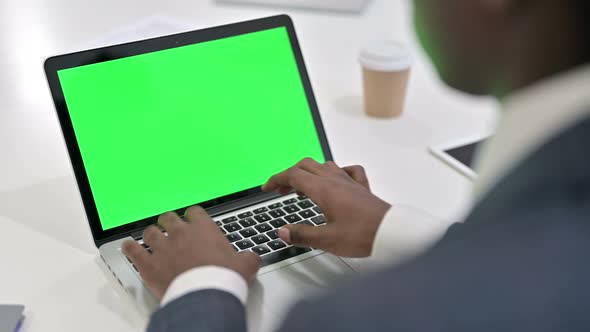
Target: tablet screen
{"type": "Point", "coordinates": [465, 154]}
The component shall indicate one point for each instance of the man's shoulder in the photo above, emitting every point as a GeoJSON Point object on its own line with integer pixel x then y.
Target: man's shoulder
{"type": "Point", "coordinates": [517, 263]}
{"type": "Point", "coordinates": [556, 176]}
{"type": "Point", "coordinates": [506, 277]}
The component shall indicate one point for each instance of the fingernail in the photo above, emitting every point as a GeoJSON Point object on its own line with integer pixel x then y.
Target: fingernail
{"type": "Point", "coordinates": [285, 234]}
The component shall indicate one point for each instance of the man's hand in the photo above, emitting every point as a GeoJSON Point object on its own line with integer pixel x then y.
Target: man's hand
{"type": "Point", "coordinates": [353, 213]}
{"type": "Point", "coordinates": [197, 242]}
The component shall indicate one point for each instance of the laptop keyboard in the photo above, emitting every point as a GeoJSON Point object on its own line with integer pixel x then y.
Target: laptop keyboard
{"type": "Point", "coordinates": [256, 229]}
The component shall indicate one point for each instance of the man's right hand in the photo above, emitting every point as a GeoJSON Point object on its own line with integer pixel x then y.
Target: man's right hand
{"type": "Point", "coordinates": [353, 213]}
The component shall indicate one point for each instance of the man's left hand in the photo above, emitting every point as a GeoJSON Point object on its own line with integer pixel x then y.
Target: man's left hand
{"type": "Point", "coordinates": [197, 242]}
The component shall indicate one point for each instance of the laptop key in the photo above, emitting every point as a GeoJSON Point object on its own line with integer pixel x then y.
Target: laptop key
{"type": "Point", "coordinates": [277, 213]}
{"type": "Point", "coordinates": [233, 237]}
{"type": "Point", "coordinates": [263, 228]}
{"type": "Point", "coordinates": [292, 218]}
{"type": "Point", "coordinates": [218, 222]}
{"type": "Point", "coordinates": [276, 244]}
{"type": "Point", "coordinates": [248, 232]}
{"type": "Point", "coordinates": [273, 235]}
{"type": "Point", "coordinates": [260, 210]}
{"type": "Point", "coordinates": [302, 198]}
{"type": "Point", "coordinates": [244, 244]}
{"type": "Point", "coordinates": [317, 210]}
{"type": "Point", "coordinates": [232, 227]}
{"type": "Point", "coordinates": [248, 222]}
{"type": "Point", "coordinates": [291, 209]}
{"type": "Point", "coordinates": [305, 204]}
{"type": "Point", "coordinates": [260, 238]}
{"type": "Point", "coordinates": [319, 220]}
{"type": "Point", "coordinates": [305, 222]}
{"type": "Point", "coordinates": [147, 248]}
{"type": "Point", "coordinates": [290, 201]}
{"type": "Point", "coordinates": [261, 250]}
{"type": "Point", "coordinates": [278, 223]}
{"type": "Point", "coordinates": [307, 214]}
{"type": "Point", "coordinates": [262, 218]}
{"type": "Point", "coordinates": [228, 220]}
{"type": "Point", "coordinates": [275, 206]}
{"type": "Point", "coordinates": [235, 248]}
{"type": "Point", "coordinates": [245, 215]}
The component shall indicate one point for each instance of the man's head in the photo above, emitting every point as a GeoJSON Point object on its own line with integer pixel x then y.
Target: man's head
{"type": "Point", "coordinates": [497, 46]}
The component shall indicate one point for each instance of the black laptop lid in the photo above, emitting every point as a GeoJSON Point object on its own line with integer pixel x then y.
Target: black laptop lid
{"type": "Point", "coordinates": [202, 117]}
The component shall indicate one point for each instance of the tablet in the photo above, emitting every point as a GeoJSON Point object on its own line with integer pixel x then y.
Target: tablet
{"type": "Point", "coordinates": [460, 154]}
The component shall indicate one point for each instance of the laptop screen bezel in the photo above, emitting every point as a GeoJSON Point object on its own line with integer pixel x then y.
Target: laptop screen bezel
{"type": "Point", "coordinates": [57, 63]}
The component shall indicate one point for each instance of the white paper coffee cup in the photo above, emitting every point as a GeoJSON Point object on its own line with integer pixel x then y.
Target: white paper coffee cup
{"type": "Point", "coordinates": [386, 68]}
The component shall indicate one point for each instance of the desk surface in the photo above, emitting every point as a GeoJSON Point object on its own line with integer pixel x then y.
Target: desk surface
{"type": "Point", "coordinates": [50, 256]}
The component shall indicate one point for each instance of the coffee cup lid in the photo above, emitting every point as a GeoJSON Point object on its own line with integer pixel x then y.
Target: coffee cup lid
{"type": "Point", "coordinates": [386, 56]}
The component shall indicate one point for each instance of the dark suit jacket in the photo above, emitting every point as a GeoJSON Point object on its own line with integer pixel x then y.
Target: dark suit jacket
{"type": "Point", "coordinates": [518, 263]}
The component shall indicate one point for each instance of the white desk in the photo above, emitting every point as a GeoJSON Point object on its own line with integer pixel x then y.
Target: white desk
{"type": "Point", "coordinates": [48, 258]}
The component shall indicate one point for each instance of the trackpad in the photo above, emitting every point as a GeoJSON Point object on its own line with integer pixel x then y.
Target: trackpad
{"type": "Point", "coordinates": [274, 293]}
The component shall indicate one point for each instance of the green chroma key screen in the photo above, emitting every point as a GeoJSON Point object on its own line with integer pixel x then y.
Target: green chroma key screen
{"type": "Point", "coordinates": [168, 129]}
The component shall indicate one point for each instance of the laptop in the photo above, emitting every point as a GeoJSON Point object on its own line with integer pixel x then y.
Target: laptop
{"type": "Point", "coordinates": [352, 6]}
{"type": "Point", "coordinates": [202, 117]}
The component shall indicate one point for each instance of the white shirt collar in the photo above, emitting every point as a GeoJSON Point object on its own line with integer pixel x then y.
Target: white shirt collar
{"type": "Point", "coordinates": [530, 119]}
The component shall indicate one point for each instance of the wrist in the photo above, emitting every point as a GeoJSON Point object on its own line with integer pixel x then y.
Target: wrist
{"type": "Point", "coordinates": [373, 224]}
{"type": "Point", "coordinates": [380, 215]}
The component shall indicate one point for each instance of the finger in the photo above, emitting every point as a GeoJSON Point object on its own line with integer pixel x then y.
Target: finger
{"type": "Point", "coordinates": [251, 264]}
{"type": "Point", "coordinates": [154, 237]}
{"type": "Point", "coordinates": [332, 165]}
{"type": "Point", "coordinates": [170, 222]}
{"type": "Point", "coordinates": [358, 174]}
{"type": "Point", "coordinates": [195, 214]}
{"type": "Point", "coordinates": [304, 236]}
{"type": "Point", "coordinates": [136, 254]}
{"type": "Point", "coordinates": [284, 190]}
{"type": "Point", "coordinates": [294, 178]}
{"type": "Point", "coordinates": [144, 262]}
{"type": "Point", "coordinates": [334, 168]}
{"type": "Point", "coordinates": [311, 166]}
